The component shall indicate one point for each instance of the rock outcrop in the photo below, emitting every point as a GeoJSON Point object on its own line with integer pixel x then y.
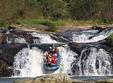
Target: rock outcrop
{"type": "Point", "coordinates": [7, 53]}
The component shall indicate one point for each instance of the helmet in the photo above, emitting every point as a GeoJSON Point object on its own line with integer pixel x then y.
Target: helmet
{"type": "Point", "coordinates": [50, 47]}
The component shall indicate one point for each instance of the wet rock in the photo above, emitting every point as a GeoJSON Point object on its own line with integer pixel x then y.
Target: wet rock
{"type": "Point", "coordinates": [21, 34]}
{"type": "Point", "coordinates": [97, 27]}
{"type": "Point", "coordinates": [59, 37]}
{"type": "Point", "coordinates": [2, 38]}
{"type": "Point", "coordinates": [4, 70]}
{"type": "Point", "coordinates": [28, 38]}
{"type": "Point", "coordinates": [7, 53]}
{"type": "Point", "coordinates": [11, 28]}
{"type": "Point", "coordinates": [77, 47]}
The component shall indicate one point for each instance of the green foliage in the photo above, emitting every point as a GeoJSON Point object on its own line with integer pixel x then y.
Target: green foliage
{"type": "Point", "coordinates": [53, 9]}
{"type": "Point", "coordinates": [3, 23]}
{"type": "Point", "coordinates": [88, 11]}
{"type": "Point", "coordinates": [52, 24]}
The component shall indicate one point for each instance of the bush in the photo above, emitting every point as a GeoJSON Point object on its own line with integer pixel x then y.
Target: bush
{"type": "Point", "coordinates": [52, 25]}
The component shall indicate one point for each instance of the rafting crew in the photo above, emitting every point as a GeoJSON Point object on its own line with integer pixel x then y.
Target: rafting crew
{"type": "Point", "coordinates": [51, 56]}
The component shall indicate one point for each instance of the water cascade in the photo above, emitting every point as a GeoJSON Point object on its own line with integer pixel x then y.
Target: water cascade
{"type": "Point", "coordinates": [90, 36]}
{"type": "Point", "coordinates": [28, 62]}
{"type": "Point", "coordinates": [42, 38]}
{"type": "Point", "coordinates": [89, 62]}
{"type": "Point", "coordinates": [93, 62]}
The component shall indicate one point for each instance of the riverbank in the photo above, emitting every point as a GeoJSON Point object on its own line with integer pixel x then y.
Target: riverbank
{"type": "Point", "coordinates": [47, 25]}
{"type": "Point", "coordinates": [44, 28]}
{"type": "Point", "coordinates": [60, 24]}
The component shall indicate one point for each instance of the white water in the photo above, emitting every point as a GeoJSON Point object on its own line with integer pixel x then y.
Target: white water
{"type": "Point", "coordinates": [16, 40]}
{"type": "Point", "coordinates": [43, 38]}
{"type": "Point", "coordinates": [90, 67]}
{"type": "Point", "coordinates": [84, 38]}
{"type": "Point", "coordinates": [29, 62]}
{"type": "Point", "coordinates": [67, 57]}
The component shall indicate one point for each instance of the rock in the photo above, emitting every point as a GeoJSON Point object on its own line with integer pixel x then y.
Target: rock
{"type": "Point", "coordinates": [11, 28]}
{"type": "Point", "coordinates": [50, 78]}
{"type": "Point", "coordinates": [4, 70]}
{"type": "Point", "coordinates": [31, 27]}
{"type": "Point", "coordinates": [7, 53]}
{"type": "Point", "coordinates": [28, 38]}
{"type": "Point", "coordinates": [2, 38]}
{"type": "Point", "coordinates": [21, 34]}
{"type": "Point", "coordinates": [96, 27]}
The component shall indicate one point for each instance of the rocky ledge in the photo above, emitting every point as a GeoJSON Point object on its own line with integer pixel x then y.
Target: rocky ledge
{"type": "Point", "coordinates": [60, 78]}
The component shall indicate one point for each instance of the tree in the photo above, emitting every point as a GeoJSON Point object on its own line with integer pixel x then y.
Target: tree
{"type": "Point", "coordinates": [53, 8]}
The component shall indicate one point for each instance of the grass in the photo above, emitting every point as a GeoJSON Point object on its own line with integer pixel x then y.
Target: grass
{"type": "Point", "coordinates": [3, 24]}
{"type": "Point", "coordinates": [54, 24]}
{"type": "Point", "coordinates": [63, 22]}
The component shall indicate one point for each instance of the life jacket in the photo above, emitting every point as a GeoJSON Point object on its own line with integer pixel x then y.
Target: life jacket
{"type": "Point", "coordinates": [54, 59]}
{"type": "Point", "coordinates": [49, 59]}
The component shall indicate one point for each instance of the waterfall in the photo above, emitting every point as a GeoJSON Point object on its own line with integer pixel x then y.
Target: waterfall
{"type": "Point", "coordinates": [28, 63]}
{"type": "Point", "coordinates": [67, 57]}
{"type": "Point", "coordinates": [93, 62]}
{"type": "Point", "coordinates": [90, 36]}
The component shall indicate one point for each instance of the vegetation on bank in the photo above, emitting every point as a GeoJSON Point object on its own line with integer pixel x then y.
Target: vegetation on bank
{"type": "Point", "coordinates": [54, 25]}
{"type": "Point", "coordinates": [59, 12]}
